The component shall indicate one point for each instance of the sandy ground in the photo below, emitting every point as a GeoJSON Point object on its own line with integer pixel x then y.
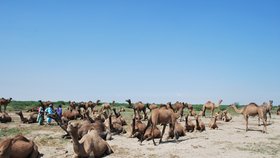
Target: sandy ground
{"type": "Point", "coordinates": [230, 140]}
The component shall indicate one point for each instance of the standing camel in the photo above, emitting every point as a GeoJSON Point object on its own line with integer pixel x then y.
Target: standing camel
{"type": "Point", "coordinates": [252, 109]}
{"type": "Point", "coordinates": [211, 106]}
{"type": "Point", "coordinates": [138, 107]}
{"type": "Point", "coordinates": [268, 107]}
{"type": "Point", "coordinates": [4, 102]}
{"type": "Point", "coordinates": [163, 116]}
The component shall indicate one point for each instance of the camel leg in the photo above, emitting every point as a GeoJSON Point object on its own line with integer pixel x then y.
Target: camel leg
{"type": "Point", "coordinates": [162, 133]}
{"type": "Point", "coordinates": [145, 114]}
{"type": "Point", "coordinates": [246, 120]}
{"type": "Point", "coordinates": [0, 109]}
{"type": "Point", "coordinates": [264, 126]}
{"type": "Point", "coordinates": [259, 123]}
{"type": "Point", "coordinates": [5, 106]}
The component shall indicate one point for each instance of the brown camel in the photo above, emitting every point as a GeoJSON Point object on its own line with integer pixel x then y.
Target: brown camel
{"type": "Point", "coordinates": [200, 126]}
{"type": "Point", "coordinates": [213, 122]}
{"type": "Point", "coordinates": [19, 146]}
{"type": "Point", "coordinates": [138, 127]}
{"type": "Point", "coordinates": [4, 102]}
{"type": "Point", "coordinates": [138, 107]}
{"type": "Point", "coordinates": [90, 145]}
{"type": "Point", "coordinates": [179, 129]}
{"type": "Point", "coordinates": [115, 127]}
{"type": "Point", "coordinates": [31, 119]}
{"type": "Point", "coordinates": [91, 104]}
{"type": "Point", "coordinates": [45, 103]}
{"type": "Point", "coordinates": [178, 106]}
{"type": "Point", "coordinates": [252, 109]}
{"type": "Point", "coordinates": [189, 125]}
{"type": "Point", "coordinates": [211, 106]}
{"type": "Point", "coordinates": [268, 107]}
{"type": "Point", "coordinates": [71, 114]}
{"type": "Point", "coordinates": [163, 116]}
{"type": "Point", "coordinates": [5, 117]}
{"type": "Point", "coordinates": [152, 106]}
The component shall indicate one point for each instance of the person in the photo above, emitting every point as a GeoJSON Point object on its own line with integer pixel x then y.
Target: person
{"type": "Point", "coordinates": [59, 111]}
{"type": "Point", "coordinates": [49, 111]}
{"type": "Point", "coordinates": [40, 117]}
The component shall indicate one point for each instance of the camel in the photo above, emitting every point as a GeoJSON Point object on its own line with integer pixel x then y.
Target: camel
{"type": "Point", "coordinates": [31, 119]}
{"type": "Point", "coordinates": [151, 106]}
{"type": "Point", "coordinates": [268, 108]}
{"type": "Point", "coordinates": [163, 116]}
{"type": "Point", "coordinates": [138, 128]}
{"type": "Point", "coordinates": [192, 112]}
{"type": "Point", "coordinates": [91, 144]}
{"type": "Point", "coordinates": [138, 107]}
{"type": "Point", "coordinates": [179, 129]}
{"type": "Point", "coordinates": [189, 125]}
{"type": "Point", "coordinates": [115, 127]}
{"type": "Point", "coordinates": [45, 104]}
{"type": "Point", "coordinates": [71, 114]}
{"type": "Point", "coordinates": [226, 117]}
{"type": "Point", "coordinates": [178, 106]}
{"type": "Point", "coordinates": [278, 110]}
{"type": "Point", "coordinates": [211, 106]}
{"type": "Point", "coordinates": [4, 102]}
{"type": "Point", "coordinates": [200, 126]}
{"type": "Point", "coordinates": [5, 117]}
{"type": "Point", "coordinates": [91, 104]}
{"type": "Point", "coordinates": [213, 122]}
{"type": "Point", "coordinates": [252, 109]}
{"type": "Point", "coordinates": [19, 146]}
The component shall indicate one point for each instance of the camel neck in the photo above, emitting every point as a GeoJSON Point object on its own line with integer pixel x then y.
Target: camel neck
{"type": "Point", "coordinates": [240, 111]}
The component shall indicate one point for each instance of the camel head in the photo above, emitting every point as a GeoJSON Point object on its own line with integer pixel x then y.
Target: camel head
{"type": "Point", "coordinates": [10, 99]}
{"type": "Point", "coordinates": [232, 105]}
{"type": "Point", "coordinates": [40, 101]}
{"type": "Point", "coordinates": [72, 127]}
{"type": "Point", "coordinates": [97, 102]}
{"type": "Point", "coordinates": [270, 102]}
{"type": "Point", "coordinates": [128, 100]}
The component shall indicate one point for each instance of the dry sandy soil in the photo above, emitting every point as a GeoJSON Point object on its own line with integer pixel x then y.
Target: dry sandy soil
{"type": "Point", "coordinates": [230, 140]}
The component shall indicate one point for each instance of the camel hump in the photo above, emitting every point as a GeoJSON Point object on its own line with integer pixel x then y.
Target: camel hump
{"type": "Point", "coordinates": [20, 137]}
{"type": "Point", "coordinates": [208, 102]}
{"type": "Point", "coordinates": [253, 104]}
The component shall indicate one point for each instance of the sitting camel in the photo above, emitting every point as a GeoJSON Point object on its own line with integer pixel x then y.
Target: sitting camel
{"type": "Point", "coordinates": [200, 126]}
{"type": "Point", "coordinates": [5, 117]}
{"type": "Point", "coordinates": [4, 102]}
{"type": "Point", "coordinates": [19, 146]}
{"type": "Point", "coordinates": [138, 107]}
{"type": "Point", "coordinates": [31, 119]}
{"type": "Point", "coordinates": [213, 123]}
{"type": "Point", "coordinates": [179, 129]}
{"type": "Point", "coordinates": [91, 143]}
{"type": "Point", "coordinates": [211, 106]}
{"type": "Point", "coordinates": [252, 109]}
{"type": "Point", "coordinates": [189, 125]}
{"type": "Point", "coordinates": [137, 130]}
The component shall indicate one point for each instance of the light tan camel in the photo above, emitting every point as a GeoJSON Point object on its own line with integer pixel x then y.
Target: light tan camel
{"type": "Point", "coordinates": [211, 106]}
{"type": "Point", "coordinates": [163, 116]}
{"type": "Point", "coordinates": [213, 122]}
{"type": "Point", "coordinates": [200, 126]}
{"type": "Point", "coordinates": [189, 125]}
{"type": "Point", "coordinates": [4, 102]}
{"type": "Point", "coordinates": [138, 107]}
{"type": "Point", "coordinates": [18, 147]}
{"type": "Point", "coordinates": [91, 144]}
{"type": "Point", "coordinates": [5, 117]}
{"type": "Point", "coordinates": [32, 118]}
{"type": "Point", "coordinates": [268, 108]}
{"type": "Point", "coordinates": [252, 109]}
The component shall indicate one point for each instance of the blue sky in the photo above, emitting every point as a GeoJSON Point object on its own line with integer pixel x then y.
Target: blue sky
{"type": "Point", "coordinates": [154, 51]}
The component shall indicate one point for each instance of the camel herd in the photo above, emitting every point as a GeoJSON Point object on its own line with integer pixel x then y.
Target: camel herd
{"type": "Point", "coordinates": [90, 127]}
